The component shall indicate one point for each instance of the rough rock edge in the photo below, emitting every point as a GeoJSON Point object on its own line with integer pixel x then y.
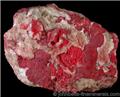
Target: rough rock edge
{"type": "Point", "coordinates": [14, 64]}
{"type": "Point", "coordinates": [91, 85]}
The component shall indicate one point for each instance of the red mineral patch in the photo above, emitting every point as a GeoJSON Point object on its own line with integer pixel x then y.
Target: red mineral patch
{"type": "Point", "coordinates": [97, 40]}
{"type": "Point", "coordinates": [115, 39]}
{"type": "Point", "coordinates": [72, 56]}
{"type": "Point", "coordinates": [23, 26]}
{"type": "Point", "coordinates": [36, 26]}
{"type": "Point", "coordinates": [23, 62]}
{"type": "Point", "coordinates": [79, 21]}
{"type": "Point", "coordinates": [89, 57]}
{"type": "Point", "coordinates": [38, 68]}
{"type": "Point", "coordinates": [98, 74]}
{"type": "Point", "coordinates": [53, 70]}
{"type": "Point", "coordinates": [95, 29]}
{"type": "Point", "coordinates": [113, 57]}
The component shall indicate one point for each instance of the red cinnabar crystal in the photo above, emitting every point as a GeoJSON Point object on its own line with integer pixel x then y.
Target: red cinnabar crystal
{"type": "Point", "coordinates": [61, 50]}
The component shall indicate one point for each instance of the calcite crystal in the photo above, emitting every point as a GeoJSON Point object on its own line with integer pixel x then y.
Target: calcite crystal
{"type": "Point", "coordinates": [60, 50]}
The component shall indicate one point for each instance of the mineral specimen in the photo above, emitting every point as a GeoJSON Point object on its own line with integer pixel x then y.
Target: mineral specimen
{"type": "Point", "coordinates": [60, 50]}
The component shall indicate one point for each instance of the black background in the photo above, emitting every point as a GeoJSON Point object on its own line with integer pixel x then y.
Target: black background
{"type": "Point", "coordinates": [105, 13]}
